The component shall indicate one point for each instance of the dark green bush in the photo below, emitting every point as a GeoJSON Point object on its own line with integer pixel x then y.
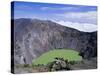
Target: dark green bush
{"type": "Point", "coordinates": [26, 65]}
{"type": "Point", "coordinates": [58, 64]}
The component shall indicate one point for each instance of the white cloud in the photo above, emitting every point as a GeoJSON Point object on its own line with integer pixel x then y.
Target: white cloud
{"type": "Point", "coordinates": [59, 8]}
{"type": "Point", "coordinates": [83, 21]}
{"type": "Point", "coordinates": [85, 17]}
{"type": "Point", "coordinates": [81, 14]}
{"type": "Point", "coordinates": [85, 27]}
{"type": "Point", "coordinates": [45, 8]}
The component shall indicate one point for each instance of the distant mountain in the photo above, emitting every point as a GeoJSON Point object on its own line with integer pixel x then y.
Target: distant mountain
{"type": "Point", "coordinates": [33, 37]}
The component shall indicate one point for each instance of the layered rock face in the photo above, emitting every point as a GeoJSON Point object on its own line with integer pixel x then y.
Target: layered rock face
{"type": "Point", "coordinates": [35, 37]}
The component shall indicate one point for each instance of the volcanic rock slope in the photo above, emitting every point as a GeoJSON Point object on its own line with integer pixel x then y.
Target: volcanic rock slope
{"type": "Point", "coordinates": [33, 37]}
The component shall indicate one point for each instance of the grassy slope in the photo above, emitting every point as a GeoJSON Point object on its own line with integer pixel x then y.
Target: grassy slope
{"type": "Point", "coordinates": [71, 55]}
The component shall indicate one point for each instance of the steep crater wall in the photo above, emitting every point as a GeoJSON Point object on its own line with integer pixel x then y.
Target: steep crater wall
{"type": "Point", "coordinates": [35, 37]}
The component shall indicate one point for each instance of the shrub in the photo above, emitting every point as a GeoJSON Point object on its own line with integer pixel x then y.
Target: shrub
{"type": "Point", "coordinates": [26, 65]}
{"type": "Point", "coordinates": [58, 64]}
{"type": "Point", "coordinates": [72, 62]}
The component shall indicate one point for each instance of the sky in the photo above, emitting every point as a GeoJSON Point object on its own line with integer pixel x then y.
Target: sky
{"type": "Point", "coordinates": [83, 18]}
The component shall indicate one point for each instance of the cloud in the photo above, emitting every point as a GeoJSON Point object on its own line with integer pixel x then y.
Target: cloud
{"type": "Point", "coordinates": [23, 7]}
{"type": "Point", "coordinates": [81, 14]}
{"type": "Point", "coordinates": [45, 8]}
{"type": "Point", "coordinates": [83, 21]}
{"type": "Point", "coordinates": [85, 27]}
{"type": "Point", "coordinates": [59, 8]}
{"type": "Point", "coordinates": [82, 17]}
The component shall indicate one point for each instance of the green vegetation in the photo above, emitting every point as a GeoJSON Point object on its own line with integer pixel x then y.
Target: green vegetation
{"type": "Point", "coordinates": [59, 64]}
{"type": "Point", "coordinates": [66, 54]}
